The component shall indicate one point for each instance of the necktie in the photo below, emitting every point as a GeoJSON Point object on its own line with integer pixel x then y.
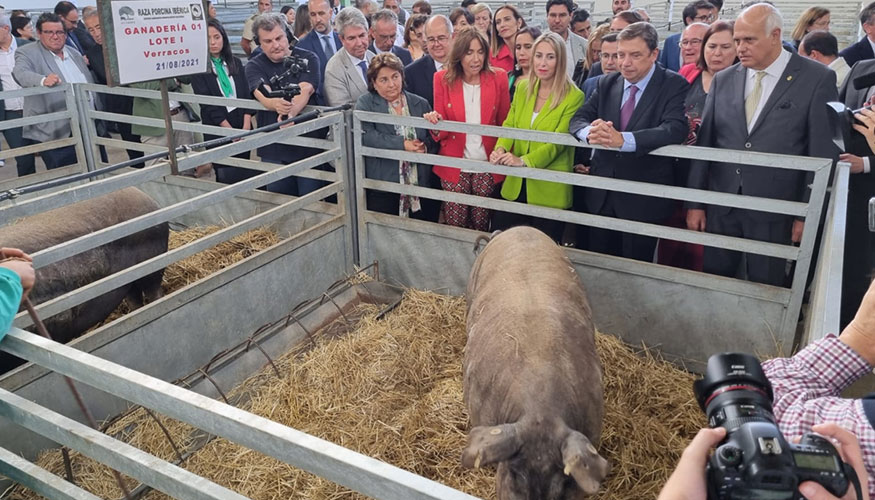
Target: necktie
{"type": "Point", "coordinates": [628, 108]}
{"type": "Point", "coordinates": [327, 47]}
{"type": "Point", "coordinates": [364, 66]}
{"type": "Point", "coordinates": [753, 99]}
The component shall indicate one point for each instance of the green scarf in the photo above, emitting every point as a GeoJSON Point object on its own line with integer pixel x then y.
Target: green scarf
{"type": "Point", "coordinates": [224, 81]}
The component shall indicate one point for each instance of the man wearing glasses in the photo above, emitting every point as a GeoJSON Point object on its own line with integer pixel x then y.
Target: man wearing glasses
{"type": "Point", "coordinates": [384, 31]}
{"type": "Point", "coordinates": [699, 11]}
{"type": "Point", "coordinates": [420, 74]}
{"type": "Point", "coordinates": [49, 63]}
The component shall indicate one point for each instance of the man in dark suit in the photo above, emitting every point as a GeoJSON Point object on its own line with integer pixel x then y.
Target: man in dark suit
{"type": "Point", "coordinates": [859, 261]}
{"type": "Point", "coordinates": [635, 110]}
{"type": "Point", "coordinates": [863, 49]}
{"type": "Point", "coordinates": [321, 40]}
{"type": "Point", "coordinates": [698, 11]}
{"type": "Point", "coordinates": [774, 102]}
{"type": "Point", "coordinates": [77, 37]}
{"type": "Point", "coordinates": [420, 74]}
{"type": "Point", "coordinates": [384, 31]}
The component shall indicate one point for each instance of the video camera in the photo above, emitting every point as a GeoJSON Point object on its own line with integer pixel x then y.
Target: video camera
{"type": "Point", "coordinates": [295, 65]}
{"type": "Point", "coordinates": [755, 461]}
{"type": "Point", "coordinates": [842, 118]}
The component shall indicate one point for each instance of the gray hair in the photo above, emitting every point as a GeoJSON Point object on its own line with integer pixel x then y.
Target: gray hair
{"type": "Point", "coordinates": [438, 18]}
{"type": "Point", "coordinates": [268, 21]}
{"type": "Point", "coordinates": [642, 30]}
{"type": "Point", "coordinates": [4, 21]}
{"type": "Point", "coordinates": [347, 17]}
{"type": "Point", "coordinates": [773, 19]}
{"type": "Point", "coordinates": [384, 15]}
{"type": "Point", "coordinates": [89, 12]}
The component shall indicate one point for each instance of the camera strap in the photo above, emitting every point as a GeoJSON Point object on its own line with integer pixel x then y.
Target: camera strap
{"type": "Point", "coordinates": [851, 474]}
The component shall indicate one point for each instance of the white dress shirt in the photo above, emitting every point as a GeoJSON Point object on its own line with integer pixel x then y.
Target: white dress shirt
{"type": "Point", "coordinates": [355, 62]}
{"type": "Point", "coordinates": [7, 63]}
{"type": "Point", "coordinates": [769, 82]}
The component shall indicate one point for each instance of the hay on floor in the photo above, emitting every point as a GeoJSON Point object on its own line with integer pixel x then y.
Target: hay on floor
{"type": "Point", "coordinates": [393, 390]}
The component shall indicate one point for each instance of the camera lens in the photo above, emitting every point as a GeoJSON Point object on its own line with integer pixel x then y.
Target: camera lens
{"type": "Point", "coordinates": [734, 391]}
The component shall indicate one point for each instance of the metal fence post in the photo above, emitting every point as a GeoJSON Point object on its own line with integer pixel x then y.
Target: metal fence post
{"type": "Point", "coordinates": [350, 184]}
{"type": "Point", "coordinates": [77, 102]}
{"type": "Point", "coordinates": [361, 207]}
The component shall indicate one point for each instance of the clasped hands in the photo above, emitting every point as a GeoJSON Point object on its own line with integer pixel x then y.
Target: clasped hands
{"type": "Point", "coordinates": [500, 156]}
{"type": "Point", "coordinates": [602, 133]}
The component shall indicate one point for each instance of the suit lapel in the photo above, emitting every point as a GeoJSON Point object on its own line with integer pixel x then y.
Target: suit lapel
{"type": "Point", "coordinates": [736, 95]}
{"type": "Point", "coordinates": [457, 101]}
{"type": "Point", "coordinates": [788, 78]}
{"type": "Point", "coordinates": [487, 98]}
{"type": "Point", "coordinates": [615, 100]}
{"type": "Point", "coordinates": [49, 59]}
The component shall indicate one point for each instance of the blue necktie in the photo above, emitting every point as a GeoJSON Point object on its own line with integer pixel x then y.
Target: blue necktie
{"type": "Point", "coordinates": [329, 48]}
{"type": "Point", "coordinates": [364, 66]}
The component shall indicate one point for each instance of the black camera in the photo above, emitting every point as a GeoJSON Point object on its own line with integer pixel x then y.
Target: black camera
{"type": "Point", "coordinates": [755, 461]}
{"type": "Point", "coordinates": [296, 64]}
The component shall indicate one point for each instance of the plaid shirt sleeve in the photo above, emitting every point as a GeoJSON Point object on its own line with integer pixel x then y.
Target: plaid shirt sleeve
{"type": "Point", "coordinates": [807, 391]}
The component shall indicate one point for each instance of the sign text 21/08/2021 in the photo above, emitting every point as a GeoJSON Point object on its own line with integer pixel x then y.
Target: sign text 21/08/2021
{"type": "Point", "coordinates": [179, 63]}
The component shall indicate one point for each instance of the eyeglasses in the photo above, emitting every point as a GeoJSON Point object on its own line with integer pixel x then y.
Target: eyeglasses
{"type": "Point", "coordinates": [707, 18]}
{"type": "Point", "coordinates": [688, 43]}
{"type": "Point", "coordinates": [54, 33]}
{"type": "Point", "coordinates": [441, 40]}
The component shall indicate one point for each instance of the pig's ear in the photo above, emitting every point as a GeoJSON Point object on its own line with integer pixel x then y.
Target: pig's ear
{"type": "Point", "coordinates": [489, 445]}
{"type": "Point", "coordinates": [583, 462]}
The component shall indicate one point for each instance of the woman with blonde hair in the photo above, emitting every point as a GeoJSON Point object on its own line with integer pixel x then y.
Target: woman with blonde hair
{"type": "Point", "coordinates": [468, 90]}
{"type": "Point", "coordinates": [506, 22]}
{"type": "Point", "coordinates": [593, 54]}
{"type": "Point", "coordinates": [545, 101]}
{"type": "Point", "coordinates": [482, 18]}
{"type": "Point", "coordinates": [812, 19]}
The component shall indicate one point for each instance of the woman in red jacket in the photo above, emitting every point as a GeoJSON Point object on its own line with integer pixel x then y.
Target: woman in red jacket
{"type": "Point", "coordinates": [468, 90]}
{"type": "Point", "coordinates": [506, 22]}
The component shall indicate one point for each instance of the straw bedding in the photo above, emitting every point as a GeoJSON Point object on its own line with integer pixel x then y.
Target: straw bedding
{"type": "Point", "coordinates": [392, 389]}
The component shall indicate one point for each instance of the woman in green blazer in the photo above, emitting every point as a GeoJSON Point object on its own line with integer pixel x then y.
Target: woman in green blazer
{"type": "Point", "coordinates": [545, 102]}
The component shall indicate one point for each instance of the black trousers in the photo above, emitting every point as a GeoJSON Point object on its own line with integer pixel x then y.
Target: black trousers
{"type": "Point", "coordinates": [750, 225]}
{"type": "Point", "coordinates": [25, 164]}
{"type": "Point", "coordinates": [619, 243]}
{"type": "Point", "coordinates": [859, 261]}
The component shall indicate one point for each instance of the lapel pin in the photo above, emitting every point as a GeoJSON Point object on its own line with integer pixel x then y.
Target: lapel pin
{"type": "Point", "coordinates": [789, 78]}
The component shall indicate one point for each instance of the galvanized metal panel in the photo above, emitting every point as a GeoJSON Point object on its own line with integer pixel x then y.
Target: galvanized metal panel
{"type": "Point", "coordinates": [38, 479]}
{"type": "Point", "coordinates": [120, 456]}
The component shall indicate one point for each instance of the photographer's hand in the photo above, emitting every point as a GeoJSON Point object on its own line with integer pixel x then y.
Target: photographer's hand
{"type": "Point", "coordinates": [849, 449]}
{"type": "Point", "coordinates": [687, 482]}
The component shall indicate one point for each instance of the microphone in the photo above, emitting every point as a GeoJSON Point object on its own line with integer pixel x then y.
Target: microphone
{"type": "Point", "coordinates": [865, 81]}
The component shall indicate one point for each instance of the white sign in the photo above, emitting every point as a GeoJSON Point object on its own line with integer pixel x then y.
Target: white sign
{"type": "Point", "coordinates": [159, 39]}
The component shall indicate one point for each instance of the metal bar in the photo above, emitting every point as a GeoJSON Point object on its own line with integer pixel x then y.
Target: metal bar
{"type": "Point", "coordinates": [37, 119]}
{"type": "Point", "coordinates": [161, 475]}
{"type": "Point", "coordinates": [608, 183]}
{"type": "Point", "coordinates": [340, 134]}
{"type": "Point", "coordinates": [806, 252]}
{"type": "Point", "coordinates": [39, 480]}
{"type": "Point", "coordinates": [600, 221]}
{"type": "Point", "coordinates": [361, 205]}
{"type": "Point", "coordinates": [168, 129]}
{"type": "Point", "coordinates": [36, 148]}
{"type": "Point", "coordinates": [82, 192]}
{"type": "Point", "coordinates": [135, 225]}
{"type": "Point", "coordinates": [323, 458]}
{"type": "Point", "coordinates": [690, 152]}
{"type": "Point", "coordinates": [32, 91]}
{"type": "Point", "coordinates": [87, 128]}
{"type": "Point", "coordinates": [135, 272]}
{"type": "Point", "coordinates": [826, 291]}
{"type": "Point", "coordinates": [76, 132]}
{"type": "Point", "coordinates": [17, 182]}
{"type": "Point", "coordinates": [191, 98]}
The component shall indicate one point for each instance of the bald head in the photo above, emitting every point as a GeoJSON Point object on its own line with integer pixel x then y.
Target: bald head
{"type": "Point", "coordinates": [438, 33]}
{"type": "Point", "coordinates": [757, 36]}
{"type": "Point", "coordinates": [691, 42]}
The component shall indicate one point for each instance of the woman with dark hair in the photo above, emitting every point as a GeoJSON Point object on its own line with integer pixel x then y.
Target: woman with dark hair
{"type": "Point", "coordinates": [717, 53]}
{"type": "Point", "coordinates": [226, 78]}
{"type": "Point", "coordinates": [523, 44]}
{"type": "Point", "coordinates": [413, 37]}
{"type": "Point", "coordinates": [302, 21]}
{"type": "Point", "coordinates": [468, 90]}
{"type": "Point", "coordinates": [387, 95]}
{"type": "Point", "coordinates": [505, 24]}
{"type": "Point", "coordinates": [461, 17]}
{"type": "Point", "coordinates": [22, 30]}
{"type": "Point", "coordinates": [290, 14]}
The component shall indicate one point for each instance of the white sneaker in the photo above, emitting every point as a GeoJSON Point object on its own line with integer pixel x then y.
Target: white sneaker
{"type": "Point", "coordinates": [2, 163]}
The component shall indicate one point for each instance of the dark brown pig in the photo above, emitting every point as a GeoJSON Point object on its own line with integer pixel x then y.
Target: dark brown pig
{"type": "Point", "coordinates": [532, 377]}
{"type": "Point", "coordinates": [47, 229]}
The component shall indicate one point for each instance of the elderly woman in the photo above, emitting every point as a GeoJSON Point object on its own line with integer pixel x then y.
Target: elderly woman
{"type": "Point", "coordinates": [812, 19]}
{"type": "Point", "coordinates": [414, 41]}
{"type": "Point", "coordinates": [482, 17]}
{"type": "Point", "coordinates": [226, 78]}
{"type": "Point", "coordinates": [525, 42]}
{"type": "Point", "coordinates": [546, 101]}
{"type": "Point", "coordinates": [386, 95]}
{"type": "Point", "coordinates": [468, 90]}
{"type": "Point", "coordinates": [505, 25]}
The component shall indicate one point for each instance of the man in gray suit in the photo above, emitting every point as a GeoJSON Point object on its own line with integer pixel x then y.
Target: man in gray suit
{"type": "Point", "coordinates": [773, 102]}
{"type": "Point", "coordinates": [346, 71]}
{"type": "Point", "coordinates": [49, 63]}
